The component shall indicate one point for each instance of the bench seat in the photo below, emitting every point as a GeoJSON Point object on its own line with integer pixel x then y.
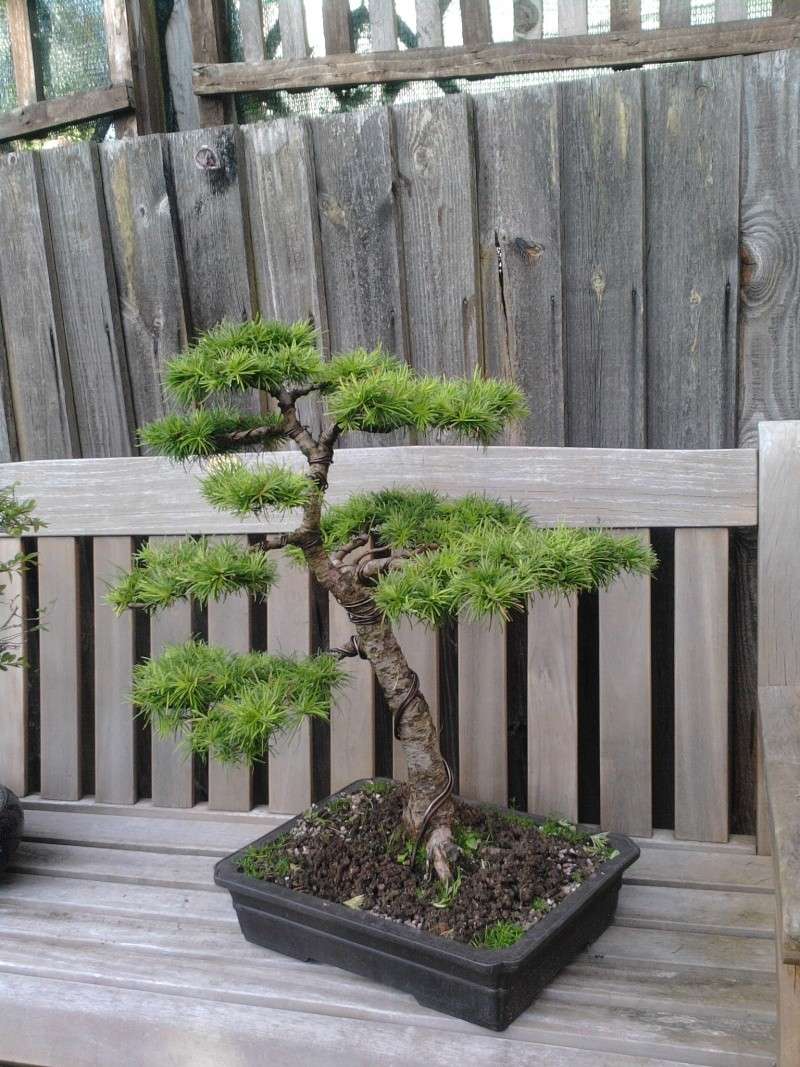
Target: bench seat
{"type": "Point", "coordinates": [117, 948]}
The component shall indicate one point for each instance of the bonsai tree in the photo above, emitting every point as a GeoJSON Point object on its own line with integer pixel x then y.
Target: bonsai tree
{"type": "Point", "coordinates": [380, 555]}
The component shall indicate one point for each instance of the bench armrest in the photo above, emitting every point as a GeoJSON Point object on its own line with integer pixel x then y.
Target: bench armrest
{"type": "Point", "coordinates": [779, 715]}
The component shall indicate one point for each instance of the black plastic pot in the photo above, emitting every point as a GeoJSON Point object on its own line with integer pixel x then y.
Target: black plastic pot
{"type": "Point", "coordinates": [487, 987]}
{"type": "Point", "coordinates": [11, 823]}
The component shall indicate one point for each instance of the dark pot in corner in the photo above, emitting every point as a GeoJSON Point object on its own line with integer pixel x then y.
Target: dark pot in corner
{"type": "Point", "coordinates": [487, 987]}
{"type": "Point", "coordinates": [11, 822]}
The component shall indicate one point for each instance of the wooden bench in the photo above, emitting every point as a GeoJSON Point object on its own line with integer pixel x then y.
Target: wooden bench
{"type": "Point", "coordinates": [115, 946]}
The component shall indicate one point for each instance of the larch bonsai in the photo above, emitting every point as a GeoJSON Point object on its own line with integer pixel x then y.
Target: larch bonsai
{"type": "Point", "coordinates": [381, 556]}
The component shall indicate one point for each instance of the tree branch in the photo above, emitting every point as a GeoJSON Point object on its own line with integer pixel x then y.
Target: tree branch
{"type": "Point", "coordinates": [272, 541]}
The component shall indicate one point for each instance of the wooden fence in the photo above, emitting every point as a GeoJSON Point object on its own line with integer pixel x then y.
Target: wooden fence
{"type": "Point", "coordinates": [626, 247]}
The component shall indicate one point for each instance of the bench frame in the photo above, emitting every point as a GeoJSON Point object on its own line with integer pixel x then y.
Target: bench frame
{"type": "Point", "coordinates": [702, 494]}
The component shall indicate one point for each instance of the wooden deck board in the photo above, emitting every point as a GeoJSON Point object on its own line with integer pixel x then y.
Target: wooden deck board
{"type": "Point", "coordinates": [107, 919]}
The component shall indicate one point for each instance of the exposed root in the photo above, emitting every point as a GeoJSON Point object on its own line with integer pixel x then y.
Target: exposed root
{"type": "Point", "coordinates": [441, 850]}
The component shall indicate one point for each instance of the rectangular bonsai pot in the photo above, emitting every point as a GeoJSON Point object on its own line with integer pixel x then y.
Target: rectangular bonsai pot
{"type": "Point", "coordinates": [487, 987]}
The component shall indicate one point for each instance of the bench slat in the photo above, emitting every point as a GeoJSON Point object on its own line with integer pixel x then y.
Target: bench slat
{"type": "Point", "coordinates": [115, 762]}
{"type": "Point", "coordinates": [172, 775]}
{"type": "Point", "coordinates": [421, 647]}
{"type": "Point", "coordinates": [289, 631]}
{"type": "Point", "coordinates": [353, 711]}
{"type": "Point", "coordinates": [230, 787]}
{"type": "Point", "coordinates": [553, 707]}
{"type": "Point", "coordinates": [701, 684]}
{"type": "Point", "coordinates": [482, 711]}
{"type": "Point", "coordinates": [13, 700]}
{"type": "Point", "coordinates": [625, 705]}
{"type": "Point", "coordinates": [59, 670]}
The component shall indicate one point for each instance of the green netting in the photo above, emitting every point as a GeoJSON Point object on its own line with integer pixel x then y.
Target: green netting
{"type": "Point", "coordinates": [69, 36]}
{"type": "Point", "coordinates": [8, 92]}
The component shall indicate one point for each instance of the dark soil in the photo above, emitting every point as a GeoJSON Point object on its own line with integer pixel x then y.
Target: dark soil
{"type": "Point", "coordinates": [509, 875]}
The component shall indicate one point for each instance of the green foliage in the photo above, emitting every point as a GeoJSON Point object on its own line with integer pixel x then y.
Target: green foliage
{"type": "Point", "coordinates": [467, 839]}
{"type": "Point", "coordinates": [378, 788]}
{"type": "Point", "coordinates": [16, 519]}
{"type": "Point", "coordinates": [233, 357]}
{"type": "Point", "coordinates": [501, 934]}
{"type": "Point", "coordinates": [596, 845]}
{"type": "Point", "coordinates": [267, 861]}
{"type": "Point", "coordinates": [231, 486]}
{"type": "Point", "coordinates": [16, 516]}
{"type": "Point", "coordinates": [203, 569]}
{"type": "Point", "coordinates": [232, 706]}
{"type": "Point", "coordinates": [445, 893]}
{"type": "Point", "coordinates": [207, 432]}
{"type": "Point", "coordinates": [540, 906]}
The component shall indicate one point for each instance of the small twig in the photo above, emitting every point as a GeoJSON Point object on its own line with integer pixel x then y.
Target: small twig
{"type": "Point", "coordinates": [272, 541]}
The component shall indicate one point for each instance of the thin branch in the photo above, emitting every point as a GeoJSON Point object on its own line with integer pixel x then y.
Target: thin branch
{"type": "Point", "coordinates": [272, 541]}
{"type": "Point", "coordinates": [342, 553]}
{"type": "Point", "coordinates": [257, 435]}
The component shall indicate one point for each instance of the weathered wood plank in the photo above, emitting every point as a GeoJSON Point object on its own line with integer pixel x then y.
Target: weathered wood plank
{"type": "Point", "coordinates": [59, 670]}
{"type": "Point", "coordinates": [482, 711]}
{"type": "Point", "coordinates": [730, 10]}
{"type": "Point", "coordinates": [703, 911]}
{"type": "Point", "coordinates": [13, 687]}
{"type": "Point", "coordinates": [230, 787]}
{"type": "Point", "coordinates": [38, 368]}
{"type": "Point", "coordinates": [208, 204]}
{"type": "Point", "coordinates": [626, 15]}
{"type": "Point", "coordinates": [27, 72]}
{"type": "Point", "coordinates": [149, 78]}
{"type": "Point", "coordinates": [430, 33]}
{"type": "Point", "coordinates": [725, 955]}
{"type": "Point", "coordinates": [115, 754]}
{"type": "Point", "coordinates": [520, 252]}
{"type": "Point", "coordinates": [118, 49]}
{"type": "Point", "coordinates": [529, 19]}
{"type": "Point", "coordinates": [436, 165]}
{"type": "Point", "coordinates": [476, 22]}
{"type": "Point", "coordinates": [353, 711]}
{"type": "Point", "coordinates": [598, 487]}
{"type": "Point", "coordinates": [9, 450]}
{"type": "Point", "coordinates": [421, 647]}
{"type": "Point", "coordinates": [573, 18]}
{"type": "Point", "coordinates": [201, 34]}
{"type": "Point", "coordinates": [292, 21]}
{"type": "Point", "coordinates": [625, 706]}
{"type": "Point", "coordinates": [788, 1014]}
{"type": "Point", "coordinates": [178, 52]}
{"type": "Point", "coordinates": [336, 27]}
{"type": "Point", "coordinates": [359, 230]}
{"type": "Point", "coordinates": [697, 869]}
{"type": "Point", "coordinates": [289, 631]}
{"type": "Point", "coordinates": [63, 111]}
{"type": "Point", "coordinates": [251, 25]}
{"type": "Point", "coordinates": [92, 329]}
{"type": "Point", "coordinates": [692, 263]}
{"type": "Point", "coordinates": [172, 784]}
{"type": "Point", "coordinates": [701, 684]}
{"type": "Point", "coordinates": [674, 13]}
{"type": "Point", "coordinates": [602, 253]}
{"type": "Point", "coordinates": [553, 708]}
{"type": "Point", "coordinates": [383, 25]}
{"type": "Point", "coordinates": [141, 226]}
{"type": "Point", "coordinates": [618, 49]}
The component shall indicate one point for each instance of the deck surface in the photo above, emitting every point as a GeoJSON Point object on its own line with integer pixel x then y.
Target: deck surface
{"type": "Point", "coordinates": [116, 948]}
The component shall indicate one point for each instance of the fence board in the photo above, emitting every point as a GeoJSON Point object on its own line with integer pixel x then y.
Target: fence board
{"type": "Point", "coordinates": [13, 687]}
{"type": "Point", "coordinates": [230, 787]}
{"type": "Point", "coordinates": [529, 19]}
{"type": "Point", "coordinates": [730, 10]}
{"type": "Point", "coordinates": [430, 33]}
{"type": "Point", "coordinates": [476, 22]}
{"type": "Point", "coordinates": [59, 677]}
{"type": "Point", "coordinates": [8, 436]}
{"type": "Point", "coordinates": [353, 712]}
{"type": "Point", "coordinates": [82, 258]}
{"type": "Point", "coordinates": [115, 759]}
{"type": "Point", "coordinates": [172, 773]}
{"type": "Point", "coordinates": [289, 632]}
{"type": "Point", "coordinates": [27, 74]}
{"type": "Point", "coordinates": [674, 13]}
{"type": "Point", "coordinates": [436, 165]}
{"type": "Point", "coordinates": [421, 647]}
{"type": "Point", "coordinates": [520, 253]}
{"type": "Point", "coordinates": [383, 25]}
{"type": "Point", "coordinates": [625, 15]}
{"type": "Point", "coordinates": [292, 20]}
{"type": "Point", "coordinates": [38, 368]}
{"type": "Point", "coordinates": [553, 707]}
{"type": "Point", "coordinates": [625, 706]}
{"type": "Point", "coordinates": [148, 273]}
{"type": "Point", "coordinates": [701, 685]}
{"type": "Point", "coordinates": [482, 712]}
{"type": "Point", "coordinates": [359, 230]}
{"type": "Point", "coordinates": [602, 224]}
{"type": "Point", "coordinates": [336, 27]}
{"type": "Point", "coordinates": [692, 274]}
{"type": "Point", "coordinates": [251, 25]}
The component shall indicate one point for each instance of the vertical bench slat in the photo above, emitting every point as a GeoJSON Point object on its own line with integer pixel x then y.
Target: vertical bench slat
{"type": "Point", "coordinates": [353, 712]}
{"type": "Point", "coordinates": [482, 711]}
{"type": "Point", "coordinates": [289, 631]}
{"type": "Point", "coordinates": [115, 760]}
{"type": "Point", "coordinates": [59, 654]}
{"type": "Point", "coordinates": [13, 701]}
{"type": "Point", "coordinates": [172, 773]}
{"type": "Point", "coordinates": [625, 705]}
{"type": "Point", "coordinates": [230, 787]}
{"type": "Point", "coordinates": [701, 684]}
{"type": "Point", "coordinates": [553, 707]}
{"type": "Point", "coordinates": [421, 646]}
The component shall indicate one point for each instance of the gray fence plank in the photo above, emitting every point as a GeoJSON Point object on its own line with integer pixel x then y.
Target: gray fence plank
{"type": "Point", "coordinates": [692, 265]}
{"type": "Point", "coordinates": [429, 24]}
{"type": "Point", "coordinates": [436, 165]}
{"type": "Point", "coordinates": [13, 687]}
{"type": "Point", "coordinates": [602, 224]}
{"type": "Point", "coordinates": [38, 369]}
{"type": "Point", "coordinates": [115, 758]}
{"type": "Point", "coordinates": [142, 233]}
{"type": "Point", "coordinates": [292, 19]}
{"type": "Point", "coordinates": [383, 26]}
{"type": "Point", "coordinates": [520, 252]}
{"type": "Point", "coordinates": [82, 257]}
{"type": "Point", "coordinates": [359, 229]}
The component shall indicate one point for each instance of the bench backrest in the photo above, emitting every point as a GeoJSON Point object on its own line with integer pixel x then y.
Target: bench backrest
{"type": "Point", "coordinates": [699, 494]}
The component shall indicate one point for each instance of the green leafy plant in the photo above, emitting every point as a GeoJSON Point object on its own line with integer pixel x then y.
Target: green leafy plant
{"type": "Point", "coordinates": [382, 556]}
{"type": "Point", "coordinates": [499, 935]}
{"type": "Point", "coordinates": [267, 860]}
{"type": "Point", "coordinates": [468, 840]}
{"type": "Point", "coordinates": [540, 906]}
{"type": "Point", "coordinates": [446, 892]}
{"type": "Point", "coordinates": [16, 519]}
